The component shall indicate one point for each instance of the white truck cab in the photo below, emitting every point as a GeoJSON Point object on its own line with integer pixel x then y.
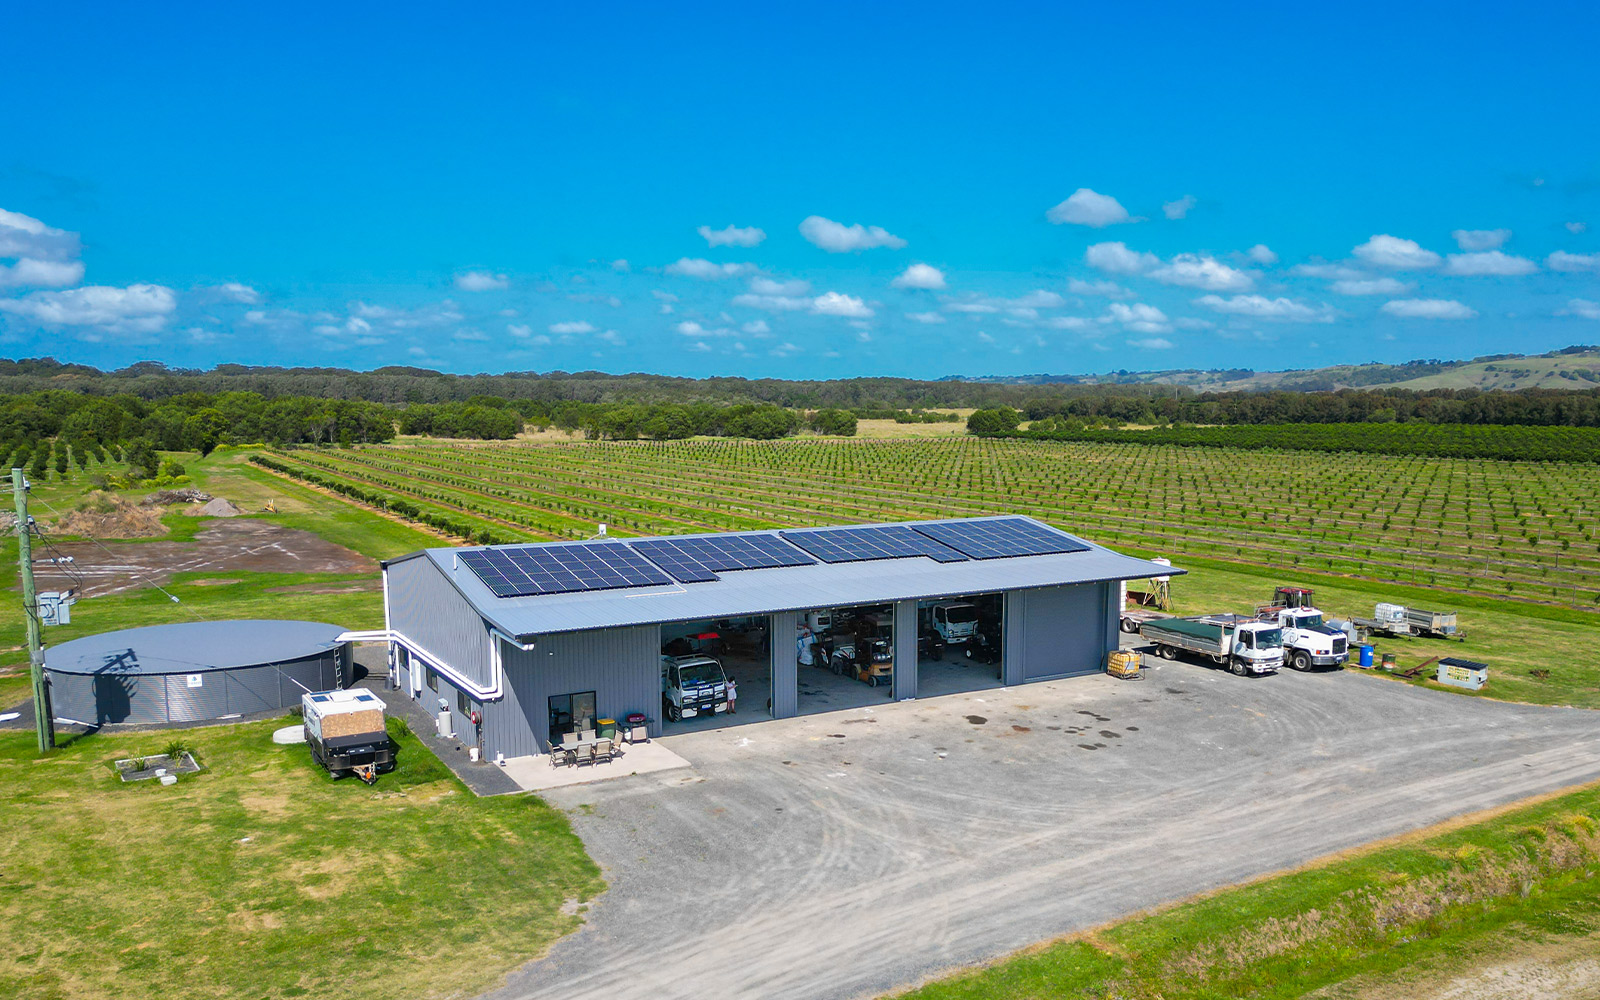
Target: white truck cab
{"type": "Point", "coordinates": [955, 621]}
{"type": "Point", "coordinates": [693, 686]}
{"type": "Point", "coordinates": [1308, 641]}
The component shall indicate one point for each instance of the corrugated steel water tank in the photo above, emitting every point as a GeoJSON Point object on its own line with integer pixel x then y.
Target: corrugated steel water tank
{"type": "Point", "coordinates": [194, 671]}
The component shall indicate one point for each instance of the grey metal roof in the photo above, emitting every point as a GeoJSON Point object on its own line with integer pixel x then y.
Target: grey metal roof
{"type": "Point", "coordinates": [787, 588]}
{"type": "Point", "coordinates": [192, 647]}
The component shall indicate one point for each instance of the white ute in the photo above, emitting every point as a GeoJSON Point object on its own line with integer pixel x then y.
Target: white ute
{"type": "Point", "coordinates": [692, 686]}
{"type": "Point", "coordinates": [956, 622]}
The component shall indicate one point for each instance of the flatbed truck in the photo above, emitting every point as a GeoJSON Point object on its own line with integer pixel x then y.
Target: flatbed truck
{"type": "Point", "coordinates": [1243, 645]}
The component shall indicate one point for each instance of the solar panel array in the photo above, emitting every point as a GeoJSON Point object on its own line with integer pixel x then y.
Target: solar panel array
{"type": "Point", "coordinates": [867, 542]}
{"type": "Point", "coordinates": [560, 569]}
{"type": "Point", "coordinates": [525, 570]}
{"type": "Point", "coordinates": [1000, 538]}
{"type": "Point", "coordinates": [696, 560]}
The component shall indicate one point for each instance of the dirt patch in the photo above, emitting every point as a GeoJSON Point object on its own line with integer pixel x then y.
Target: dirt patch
{"type": "Point", "coordinates": [1561, 969]}
{"type": "Point", "coordinates": [163, 498]}
{"type": "Point", "coordinates": [348, 587]}
{"type": "Point", "coordinates": [214, 508]}
{"type": "Point", "coordinates": [238, 545]}
{"type": "Point", "coordinates": [106, 515]}
{"type": "Point", "coordinates": [276, 806]}
{"type": "Point", "coordinates": [214, 581]}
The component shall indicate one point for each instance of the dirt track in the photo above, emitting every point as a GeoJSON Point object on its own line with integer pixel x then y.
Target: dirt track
{"type": "Point", "coordinates": [226, 545]}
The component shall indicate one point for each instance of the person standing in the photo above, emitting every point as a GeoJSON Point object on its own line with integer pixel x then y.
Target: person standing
{"type": "Point", "coordinates": [733, 692]}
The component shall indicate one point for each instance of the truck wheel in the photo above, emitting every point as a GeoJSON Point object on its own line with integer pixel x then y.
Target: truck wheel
{"type": "Point", "coordinates": [1129, 627]}
{"type": "Point", "coordinates": [1167, 652]}
{"type": "Point", "coordinates": [1301, 661]}
{"type": "Point", "coordinates": [969, 650]}
{"type": "Point", "coordinates": [1237, 668]}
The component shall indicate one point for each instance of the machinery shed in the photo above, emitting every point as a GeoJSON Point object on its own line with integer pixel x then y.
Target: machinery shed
{"type": "Point", "coordinates": [194, 671]}
{"type": "Point", "coordinates": [508, 646]}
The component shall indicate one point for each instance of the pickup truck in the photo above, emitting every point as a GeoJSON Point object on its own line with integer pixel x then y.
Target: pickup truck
{"type": "Point", "coordinates": [693, 686]}
{"type": "Point", "coordinates": [1243, 645]}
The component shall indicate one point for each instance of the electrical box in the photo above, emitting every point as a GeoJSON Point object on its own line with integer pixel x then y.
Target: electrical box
{"type": "Point", "coordinates": [1463, 673]}
{"type": "Point", "coordinates": [55, 607]}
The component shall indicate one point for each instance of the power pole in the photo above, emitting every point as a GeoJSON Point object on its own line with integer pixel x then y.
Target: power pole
{"type": "Point", "coordinates": [43, 716]}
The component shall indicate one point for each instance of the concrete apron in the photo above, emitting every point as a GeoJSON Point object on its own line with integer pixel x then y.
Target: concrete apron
{"type": "Point", "coordinates": [847, 854]}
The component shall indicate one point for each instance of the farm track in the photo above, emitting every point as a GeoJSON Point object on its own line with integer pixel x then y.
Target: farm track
{"type": "Point", "coordinates": [1499, 528]}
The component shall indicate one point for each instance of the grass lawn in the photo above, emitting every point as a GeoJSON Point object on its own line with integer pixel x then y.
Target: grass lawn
{"type": "Point", "coordinates": [262, 877]}
{"type": "Point", "coordinates": [1514, 638]}
{"type": "Point", "coordinates": [1383, 922]}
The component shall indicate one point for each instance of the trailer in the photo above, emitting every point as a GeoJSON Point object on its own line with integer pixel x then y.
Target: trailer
{"type": "Point", "coordinates": [1132, 618]}
{"type": "Point", "coordinates": [1243, 645]}
{"type": "Point", "coordinates": [346, 733]}
{"type": "Point", "coordinates": [1398, 620]}
{"type": "Point", "coordinates": [1435, 624]}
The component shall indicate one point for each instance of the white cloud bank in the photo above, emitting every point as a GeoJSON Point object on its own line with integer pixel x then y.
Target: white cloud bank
{"type": "Point", "coordinates": [1480, 239]}
{"type": "Point", "coordinates": [1088, 208]}
{"type": "Point", "coordinates": [920, 276]}
{"type": "Point", "coordinates": [839, 304]}
{"type": "Point", "coordinates": [1261, 307]}
{"type": "Point", "coordinates": [1178, 209]}
{"type": "Point", "coordinates": [1428, 309]}
{"type": "Point", "coordinates": [1139, 317]}
{"type": "Point", "coordinates": [572, 327]}
{"type": "Point", "coordinates": [1581, 307]}
{"type": "Point", "coordinates": [481, 281]}
{"type": "Point", "coordinates": [732, 236]}
{"type": "Point", "coordinates": [1116, 258]}
{"type": "Point", "coordinates": [137, 309]}
{"type": "Point", "coordinates": [1371, 286]}
{"type": "Point", "coordinates": [1395, 254]}
{"type": "Point", "coordinates": [1489, 262]}
{"type": "Point", "coordinates": [1196, 271]}
{"type": "Point", "coordinates": [835, 237]}
{"type": "Point", "coordinates": [1563, 261]}
{"type": "Point", "coordinates": [705, 270]}
{"type": "Point", "coordinates": [31, 273]}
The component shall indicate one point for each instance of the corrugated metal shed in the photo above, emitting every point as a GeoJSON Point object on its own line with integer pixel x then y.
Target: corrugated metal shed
{"type": "Point", "coordinates": [790, 588]}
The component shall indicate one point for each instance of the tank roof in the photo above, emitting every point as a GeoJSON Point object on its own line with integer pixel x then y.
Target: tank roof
{"type": "Point", "coordinates": [192, 647]}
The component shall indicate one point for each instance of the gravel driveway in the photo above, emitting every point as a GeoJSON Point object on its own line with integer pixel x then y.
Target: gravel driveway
{"type": "Point", "coordinates": [847, 854]}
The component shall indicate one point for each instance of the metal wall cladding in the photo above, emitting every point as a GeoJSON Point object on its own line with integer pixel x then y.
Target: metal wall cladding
{"type": "Point", "coordinates": [1058, 631]}
{"type": "Point", "coordinates": [905, 650]}
{"type": "Point", "coordinates": [426, 608]}
{"type": "Point", "coordinates": [785, 664]}
{"type": "Point", "coordinates": [148, 699]}
{"type": "Point", "coordinates": [622, 666]}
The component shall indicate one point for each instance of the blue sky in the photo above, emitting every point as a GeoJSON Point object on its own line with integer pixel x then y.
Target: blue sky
{"type": "Point", "coordinates": [990, 189]}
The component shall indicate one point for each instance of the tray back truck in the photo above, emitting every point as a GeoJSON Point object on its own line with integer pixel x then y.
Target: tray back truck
{"type": "Point", "coordinates": [1243, 645]}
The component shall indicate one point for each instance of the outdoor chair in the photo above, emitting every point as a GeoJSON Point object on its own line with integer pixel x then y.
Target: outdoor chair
{"type": "Point", "coordinates": [588, 736]}
{"type": "Point", "coordinates": [602, 750]}
{"type": "Point", "coordinates": [561, 754]}
{"type": "Point", "coordinates": [586, 753]}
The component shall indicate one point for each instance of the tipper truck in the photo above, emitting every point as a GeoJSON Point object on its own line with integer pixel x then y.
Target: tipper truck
{"type": "Point", "coordinates": [1243, 645]}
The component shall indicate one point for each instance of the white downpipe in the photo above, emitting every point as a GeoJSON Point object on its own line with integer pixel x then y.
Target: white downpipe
{"type": "Point", "coordinates": [494, 692]}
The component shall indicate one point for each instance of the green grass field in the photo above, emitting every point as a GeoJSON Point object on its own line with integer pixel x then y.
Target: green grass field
{"type": "Point", "coordinates": [262, 877]}
{"type": "Point", "coordinates": [1385, 922]}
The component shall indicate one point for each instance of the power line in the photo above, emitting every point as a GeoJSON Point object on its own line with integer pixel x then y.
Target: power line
{"type": "Point", "coordinates": [133, 572]}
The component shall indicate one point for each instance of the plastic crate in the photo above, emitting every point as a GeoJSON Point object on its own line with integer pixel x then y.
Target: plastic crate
{"type": "Point", "coordinates": [1123, 664]}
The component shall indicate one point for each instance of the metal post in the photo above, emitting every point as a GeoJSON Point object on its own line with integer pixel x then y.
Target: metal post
{"type": "Point", "coordinates": [43, 716]}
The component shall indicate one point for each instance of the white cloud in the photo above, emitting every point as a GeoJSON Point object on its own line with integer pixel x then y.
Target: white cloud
{"type": "Point", "coordinates": [1139, 317]}
{"type": "Point", "coordinates": [664, 296]}
{"type": "Point", "coordinates": [1068, 323]}
{"type": "Point", "coordinates": [838, 304]}
{"type": "Point", "coordinates": [756, 328]}
{"type": "Point", "coordinates": [235, 291]}
{"type": "Point", "coordinates": [1262, 254]}
{"type": "Point", "coordinates": [476, 336]}
{"type": "Point", "coordinates": [925, 317]}
{"type": "Point", "coordinates": [1037, 299]}
{"type": "Point", "coordinates": [31, 273]}
{"type": "Point", "coordinates": [1194, 271]}
{"type": "Point", "coordinates": [1395, 253]}
{"type": "Point", "coordinates": [784, 350]}
{"type": "Point", "coordinates": [621, 265]}
{"type": "Point", "coordinates": [611, 337]}
{"type": "Point", "coordinates": [768, 286]}
{"type": "Point", "coordinates": [1116, 258]}
{"type": "Point", "coordinates": [481, 281]}
{"type": "Point", "coordinates": [572, 326]}
{"type": "Point", "coordinates": [1152, 343]}
{"type": "Point", "coordinates": [700, 346]}
{"type": "Point", "coordinates": [1581, 307]}
{"type": "Point", "coordinates": [689, 328]}
{"type": "Point", "coordinates": [1480, 239]}
{"type": "Point", "coordinates": [1577, 228]}
{"type": "Point", "coordinates": [923, 276]}
{"type": "Point", "coordinates": [1108, 289]}
{"type": "Point", "coordinates": [1178, 209]}
{"type": "Point", "coordinates": [137, 309]}
{"type": "Point", "coordinates": [835, 237]}
{"type": "Point", "coordinates": [24, 236]}
{"type": "Point", "coordinates": [519, 330]}
{"type": "Point", "coordinates": [1371, 286]}
{"type": "Point", "coordinates": [1261, 307]}
{"type": "Point", "coordinates": [1428, 309]}
{"type": "Point", "coordinates": [1087, 208]}
{"type": "Point", "coordinates": [979, 307]}
{"type": "Point", "coordinates": [1563, 261]}
{"type": "Point", "coordinates": [1341, 272]}
{"type": "Point", "coordinates": [772, 303]}
{"type": "Point", "coordinates": [1488, 262]}
{"type": "Point", "coordinates": [732, 236]}
{"type": "Point", "coordinates": [705, 270]}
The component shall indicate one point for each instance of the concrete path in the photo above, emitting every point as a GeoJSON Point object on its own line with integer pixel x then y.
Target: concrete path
{"type": "Point", "coordinates": [848, 854]}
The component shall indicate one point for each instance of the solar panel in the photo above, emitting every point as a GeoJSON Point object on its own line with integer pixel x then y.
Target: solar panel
{"type": "Point", "coordinates": [695, 560]}
{"type": "Point", "coordinates": [559, 569]}
{"type": "Point", "coordinates": [1001, 538]}
{"type": "Point", "coordinates": [867, 542]}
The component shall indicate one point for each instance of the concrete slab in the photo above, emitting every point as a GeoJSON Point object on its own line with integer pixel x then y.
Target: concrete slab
{"type": "Point", "coordinates": [847, 854]}
{"type": "Point", "coordinates": [537, 774]}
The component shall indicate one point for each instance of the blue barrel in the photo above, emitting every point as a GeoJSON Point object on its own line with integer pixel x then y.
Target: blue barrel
{"type": "Point", "coordinates": [1366, 656]}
